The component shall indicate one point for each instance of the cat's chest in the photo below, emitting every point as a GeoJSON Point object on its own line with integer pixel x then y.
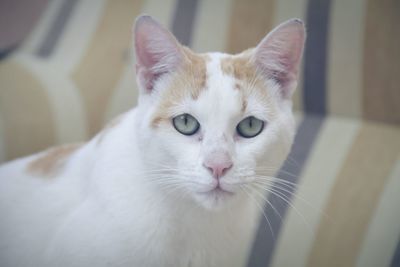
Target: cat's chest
{"type": "Point", "coordinates": [157, 235]}
{"type": "Point", "coordinates": [192, 251]}
{"type": "Point", "coordinates": [219, 243]}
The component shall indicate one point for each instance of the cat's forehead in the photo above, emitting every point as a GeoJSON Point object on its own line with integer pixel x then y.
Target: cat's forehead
{"type": "Point", "coordinates": [215, 82]}
{"type": "Point", "coordinates": [232, 74]}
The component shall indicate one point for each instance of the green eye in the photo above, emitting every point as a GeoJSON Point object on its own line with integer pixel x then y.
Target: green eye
{"type": "Point", "coordinates": [250, 127]}
{"type": "Point", "coordinates": [186, 124]}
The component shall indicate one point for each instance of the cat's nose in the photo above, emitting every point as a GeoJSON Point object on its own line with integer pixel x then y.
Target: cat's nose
{"type": "Point", "coordinates": [218, 169]}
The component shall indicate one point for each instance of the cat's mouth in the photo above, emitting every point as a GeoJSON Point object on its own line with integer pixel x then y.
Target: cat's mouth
{"type": "Point", "coordinates": [217, 191]}
{"type": "Point", "coordinates": [214, 197]}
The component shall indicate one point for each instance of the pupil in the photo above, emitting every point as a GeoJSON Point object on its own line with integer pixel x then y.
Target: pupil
{"type": "Point", "coordinates": [185, 120]}
{"type": "Point", "coordinates": [251, 122]}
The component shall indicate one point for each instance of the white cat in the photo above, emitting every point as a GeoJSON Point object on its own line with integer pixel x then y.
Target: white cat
{"type": "Point", "coordinates": [170, 182]}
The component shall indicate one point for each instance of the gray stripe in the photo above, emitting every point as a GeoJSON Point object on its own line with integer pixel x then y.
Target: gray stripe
{"type": "Point", "coordinates": [396, 257]}
{"type": "Point", "coordinates": [314, 102]}
{"type": "Point", "coordinates": [264, 245]}
{"type": "Point", "coordinates": [53, 35]}
{"type": "Point", "coordinates": [315, 56]}
{"type": "Point", "coordinates": [183, 22]}
{"type": "Point", "coordinates": [4, 53]}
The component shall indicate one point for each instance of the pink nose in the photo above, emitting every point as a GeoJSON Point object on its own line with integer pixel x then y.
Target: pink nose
{"type": "Point", "coordinates": [218, 169]}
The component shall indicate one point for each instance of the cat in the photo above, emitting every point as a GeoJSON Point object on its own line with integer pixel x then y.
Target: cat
{"type": "Point", "coordinates": [171, 182]}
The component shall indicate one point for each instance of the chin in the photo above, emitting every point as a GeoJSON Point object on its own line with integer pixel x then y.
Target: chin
{"type": "Point", "coordinates": [215, 199]}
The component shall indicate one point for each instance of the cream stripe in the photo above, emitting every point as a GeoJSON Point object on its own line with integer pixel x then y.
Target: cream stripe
{"type": "Point", "coordinates": [354, 196]}
{"type": "Point", "coordinates": [284, 10]}
{"type": "Point", "coordinates": [77, 34]}
{"type": "Point", "coordinates": [249, 23]}
{"type": "Point", "coordinates": [384, 229]}
{"type": "Point", "coordinates": [103, 64]}
{"type": "Point", "coordinates": [211, 26]}
{"type": "Point", "coordinates": [64, 97]}
{"type": "Point", "coordinates": [65, 102]}
{"type": "Point", "coordinates": [162, 11]}
{"type": "Point", "coordinates": [287, 9]}
{"type": "Point", "coordinates": [27, 116]}
{"type": "Point", "coordinates": [32, 43]}
{"type": "Point", "coordinates": [125, 95]}
{"type": "Point", "coordinates": [316, 182]}
{"type": "Point", "coordinates": [345, 54]}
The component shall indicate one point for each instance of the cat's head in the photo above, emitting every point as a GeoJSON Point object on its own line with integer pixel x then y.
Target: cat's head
{"type": "Point", "coordinates": [214, 123]}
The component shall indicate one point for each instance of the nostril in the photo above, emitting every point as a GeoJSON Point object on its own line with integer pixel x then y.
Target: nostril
{"type": "Point", "coordinates": [218, 170]}
{"type": "Point", "coordinates": [210, 169]}
{"type": "Point", "coordinates": [226, 168]}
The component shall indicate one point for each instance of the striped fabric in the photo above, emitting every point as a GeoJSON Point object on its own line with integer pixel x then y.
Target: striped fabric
{"type": "Point", "coordinates": [73, 73]}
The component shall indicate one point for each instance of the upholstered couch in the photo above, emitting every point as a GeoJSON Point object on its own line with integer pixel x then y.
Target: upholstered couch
{"type": "Point", "coordinates": [66, 70]}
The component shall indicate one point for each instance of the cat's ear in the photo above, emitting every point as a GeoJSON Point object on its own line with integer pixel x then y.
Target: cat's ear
{"type": "Point", "coordinates": [279, 54]}
{"type": "Point", "coordinates": [157, 52]}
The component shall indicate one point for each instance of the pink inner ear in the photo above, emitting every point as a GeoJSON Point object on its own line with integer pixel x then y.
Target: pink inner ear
{"type": "Point", "coordinates": [279, 54]}
{"type": "Point", "coordinates": [157, 52]}
{"type": "Point", "coordinates": [147, 77]}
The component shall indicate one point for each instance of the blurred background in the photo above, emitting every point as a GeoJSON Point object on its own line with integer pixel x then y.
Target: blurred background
{"type": "Point", "coordinates": [66, 70]}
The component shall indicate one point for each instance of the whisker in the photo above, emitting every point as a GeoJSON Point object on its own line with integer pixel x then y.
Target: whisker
{"type": "Point", "coordinates": [273, 181]}
{"type": "Point", "coordinates": [282, 181]}
{"type": "Point", "coordinates": [266, 200]}
{"type": "Point", "coordinates": [272, 178]}
{"type": "Point", "coordinates": [262, 210]}
{"type": "Point", "coordinates": [293, 160]}
{"type": "Point", "coordinates": [287, 200]}
{"type": "Point", "coordinates": [295, 187]}
{"type": "Point", "coordinates": [288, 173]}
{"type": "Point", "coordinates": [297, 195]}
{"type": "Point", "coordinates": [269, 184]}
{"type": "Point", "coordinates": [283, 171]}
{"type": "Point", "coordinates": [170, 191]}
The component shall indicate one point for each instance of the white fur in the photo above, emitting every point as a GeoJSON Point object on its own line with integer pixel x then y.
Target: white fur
{"type": "Point", "coordinates": [114, 203]}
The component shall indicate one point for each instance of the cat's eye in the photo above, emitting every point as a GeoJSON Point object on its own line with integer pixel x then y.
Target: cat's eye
{"type": "Point", "coordinates": [250, 127]}
{"type": "Point", "coordinates": [186, 124]}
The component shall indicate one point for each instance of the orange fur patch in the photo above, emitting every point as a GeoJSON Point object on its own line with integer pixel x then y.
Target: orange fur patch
{"type": "Point", "coordinates": [189, 81]}
{"type": "Point", "coordinates": [48, 163]}
{"type": "Point", "coordinates": [244, 105]}
{"type": "Point", "coordinates": [240, 66]}
{"type": "Point", "coordinates": [247, 78]}
{"type": "Point", "coordinates": [192, 78]}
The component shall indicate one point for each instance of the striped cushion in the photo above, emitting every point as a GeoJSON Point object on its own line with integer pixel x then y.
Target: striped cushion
{"type": "Point", "coordinates": [73, 73]}
{"type": "Point", "coordinates": [344, 211]}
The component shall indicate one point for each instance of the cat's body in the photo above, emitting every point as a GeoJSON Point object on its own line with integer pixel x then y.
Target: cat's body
{"type": "Point", "coordinates": [141, 193]}
{"type": "Point", "coordinates": [56, 219]}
